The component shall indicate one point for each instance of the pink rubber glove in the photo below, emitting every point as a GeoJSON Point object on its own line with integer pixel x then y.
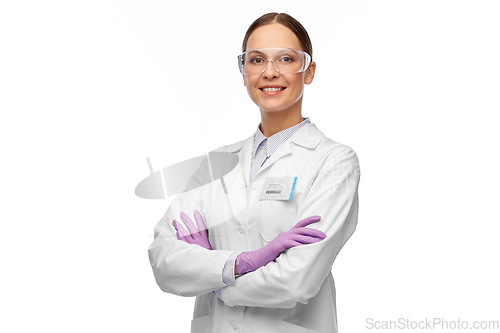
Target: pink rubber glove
{"type": "Point", "coordinates": [195, 235]}
{"type": "Point", "coordinates": [198, 236]}
{"type": "Point", "coordinates": [298, 235]}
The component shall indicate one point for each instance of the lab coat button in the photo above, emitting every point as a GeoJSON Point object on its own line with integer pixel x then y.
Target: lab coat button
{"type": "Point", "coordinates": [255, 186]}
{"type": "Point", "coordinates": [241, 230]}
{"type": "Point", "coordinates": [234, 323]}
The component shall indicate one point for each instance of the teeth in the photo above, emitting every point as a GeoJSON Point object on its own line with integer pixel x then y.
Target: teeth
{"type": "Point", "coordinates": [273, 89]}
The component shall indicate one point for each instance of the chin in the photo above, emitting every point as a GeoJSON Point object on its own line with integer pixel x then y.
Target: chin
{"type": "Point", "coordinates": [276, 107]}
{"type": "Point", "coordinates": [273, 109]}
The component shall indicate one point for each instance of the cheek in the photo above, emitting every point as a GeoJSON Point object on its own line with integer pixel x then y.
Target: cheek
{"type": "Point", "coordinates": [297, 85]}
{"type": "Point", "coordinates": [296, 81]}
{"type": "Point", "coordinates": [250, 86]}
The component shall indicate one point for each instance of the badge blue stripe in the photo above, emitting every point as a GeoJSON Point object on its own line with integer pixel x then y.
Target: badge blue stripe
{"type": "Point", "coordinates": [293, 188]}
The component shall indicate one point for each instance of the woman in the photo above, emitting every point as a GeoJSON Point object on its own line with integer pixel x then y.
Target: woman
{"type": "Point", "coordinates": [278, 220]}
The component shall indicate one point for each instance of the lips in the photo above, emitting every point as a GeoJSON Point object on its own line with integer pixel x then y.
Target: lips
{"type": "Point", "coordinates": [272, 89]}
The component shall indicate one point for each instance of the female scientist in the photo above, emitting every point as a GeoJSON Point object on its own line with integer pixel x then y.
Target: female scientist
{"type": "Point", "coordinates": [259, 258]}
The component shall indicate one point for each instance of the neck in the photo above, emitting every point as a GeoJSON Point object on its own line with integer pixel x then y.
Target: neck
{"type": "Point", "coordinates": [273, 122]}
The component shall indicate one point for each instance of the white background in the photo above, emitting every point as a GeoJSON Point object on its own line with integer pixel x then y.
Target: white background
{"type": "Point", "coordinates": [90, 88]}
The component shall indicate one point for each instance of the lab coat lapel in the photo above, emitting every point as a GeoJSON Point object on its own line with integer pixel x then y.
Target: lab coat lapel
{"type": "Point", "coordinates": [284, 150]}
{"type": "Point", "coordinates": [308, 137]}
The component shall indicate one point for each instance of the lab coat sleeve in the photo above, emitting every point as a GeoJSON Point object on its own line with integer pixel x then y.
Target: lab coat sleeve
{"type": "Point", "coordinates": [180, 268]}
{"type": "Point", "coordinates": [228, 272]}
{"type": "Point", "coordinates": [297, 274]}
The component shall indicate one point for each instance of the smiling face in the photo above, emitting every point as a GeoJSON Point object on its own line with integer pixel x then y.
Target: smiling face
{"type": "Point", "coordinates": [272, 91]}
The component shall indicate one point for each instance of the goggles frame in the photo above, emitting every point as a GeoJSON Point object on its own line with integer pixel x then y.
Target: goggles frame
{"type": "Point", "coordinates": [306, 60]}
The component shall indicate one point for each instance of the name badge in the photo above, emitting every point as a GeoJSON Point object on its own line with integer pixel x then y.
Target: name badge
{"type": "Point", "coordinates": [278, 188]}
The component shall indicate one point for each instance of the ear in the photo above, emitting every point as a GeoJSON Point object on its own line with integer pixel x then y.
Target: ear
{"type": "Point", "coordinates": [244, 81]}
{"type": "Point", "coordinates": [310, 73]}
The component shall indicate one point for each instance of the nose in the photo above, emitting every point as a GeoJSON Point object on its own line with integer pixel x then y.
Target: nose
{"type": "Point", "coordinates": [270, 71]}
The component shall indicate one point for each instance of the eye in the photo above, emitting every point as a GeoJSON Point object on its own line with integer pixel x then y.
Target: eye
{"type": "Point", "coordinates": [286, 59]}
{"type": "Point", "coordinates": [257, 61]}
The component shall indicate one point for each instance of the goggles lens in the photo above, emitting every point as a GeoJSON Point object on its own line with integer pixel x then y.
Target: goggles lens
{"type": "Point", "coordinates": [285, 61]}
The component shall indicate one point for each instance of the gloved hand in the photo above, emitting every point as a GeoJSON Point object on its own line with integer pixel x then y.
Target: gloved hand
{"type": "Point", "coordinates": [199, 236]}
{"type": "Point", "coordinates": [298, 235]}
{"type": "Point", "coordinates": [195, 235]}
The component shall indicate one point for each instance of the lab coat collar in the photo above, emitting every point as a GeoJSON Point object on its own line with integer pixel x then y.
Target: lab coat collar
{"type": "Point", "coordinates": [277, 139]}
{"type": "Point", "coordinates": [308, 137]}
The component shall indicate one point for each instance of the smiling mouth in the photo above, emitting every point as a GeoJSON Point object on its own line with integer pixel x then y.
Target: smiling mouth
{"type": "Point", "coordinates": [272, 89]}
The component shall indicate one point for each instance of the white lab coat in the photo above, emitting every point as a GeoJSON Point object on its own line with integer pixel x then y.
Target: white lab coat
{"type": "Point", "coordinates": [296, 292]}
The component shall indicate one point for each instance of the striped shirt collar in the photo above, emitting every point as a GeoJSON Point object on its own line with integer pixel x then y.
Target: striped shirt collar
{"type": "Point", "coordinates": [275, 140]}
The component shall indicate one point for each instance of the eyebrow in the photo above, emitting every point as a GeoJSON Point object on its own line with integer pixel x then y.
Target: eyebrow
{"type": "Point", "coordinates": [262, 53]}
{"type": "Point", "coordinates": [255, 51]}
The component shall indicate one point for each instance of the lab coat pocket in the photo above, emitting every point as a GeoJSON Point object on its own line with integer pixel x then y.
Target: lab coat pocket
{"type": "Point", "coordinates": [200, 325]}
{"type": "Point", "coordinates": [291, 328]}
{"type": "Point", "coordinates": [276, 216]}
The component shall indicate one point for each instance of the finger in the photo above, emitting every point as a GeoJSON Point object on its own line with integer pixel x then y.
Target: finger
{"type": "Point", "coordinates": [182, 232]}
{"type": "Point", "coordinates": [307, 239]}
{"type": "Point", "coordinates": [308, 232]}
{"type": "Point", "coordinates": [179, 237]}
{"type": "Point", "coordinates": [189, 224]}
{"type": "Point", "coordinates": [307, 221]}
{"type": "Point", "coordinates": [289, 243]}
{"type": "Point", "coordinates": [202, 229]}
{"type": "Point", "coordinates": [298, 240]}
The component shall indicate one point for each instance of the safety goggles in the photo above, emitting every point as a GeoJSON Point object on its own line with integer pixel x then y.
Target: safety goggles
{"type": "Point", "coordinates": [285, 61]}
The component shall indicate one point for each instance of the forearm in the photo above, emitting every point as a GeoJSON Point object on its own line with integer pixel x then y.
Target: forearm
{"type": "Point", "coordinates": [295, 276]}
{"type": "Point", "coordinates": [185, 269]}
{"type": "Point", "coordinates": [181, 268]}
